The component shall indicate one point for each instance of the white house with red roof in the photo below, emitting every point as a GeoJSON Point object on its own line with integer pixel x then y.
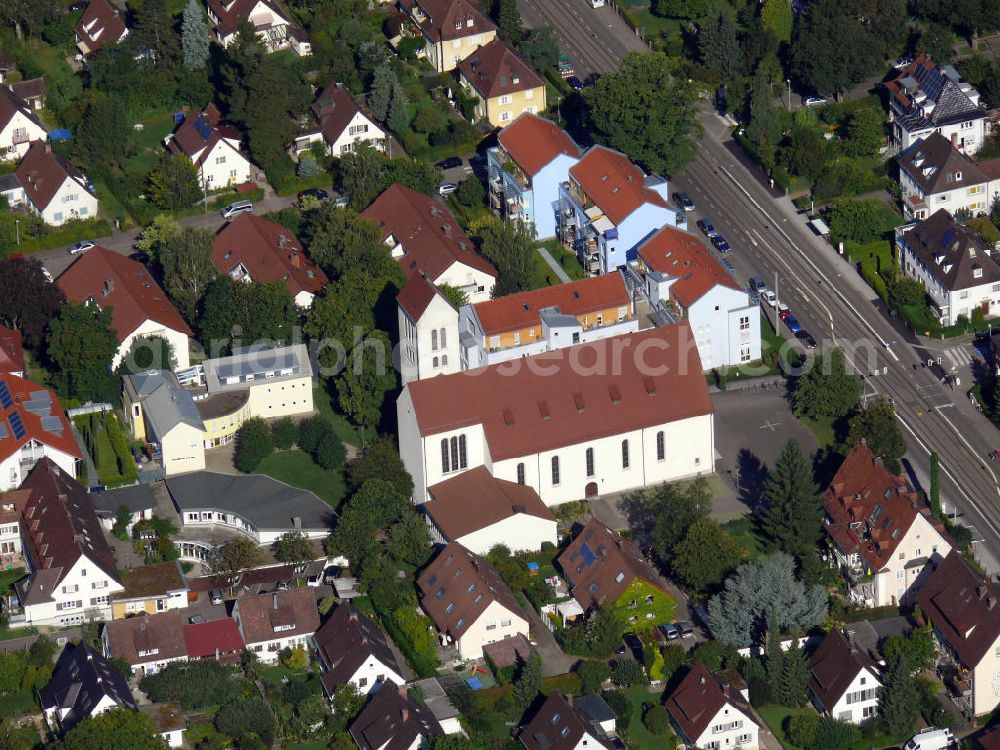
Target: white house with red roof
{"type": "Point", "coordinates": [270, 18]}
{"type": "Point", "coordinates": [531, 160]}
{"type": "Point", "coordinates": [608, 206]}
{"type": "Point", "coordinates": [139, 307]}
{"type": "Point", "coordinates": [602, 417]}
{"type": "Point", "coordinates": [428, 331]}
{"type": "Point", "coordinates": [52, 187]}
{"type": "Point", "coordinates": [214, 148]}
{"type": "Point", "coordinates": [343, 122]}
{"type": "Point", "coordinates": [19, 126]}
{"type": "Point", "coordinates": [711, 714]}
{"type": "Point", "coordinates": [452, 29]}
{"type": "Point", "coordinates": [101, 24]}
{"type": "Point", "coordinates": [424, 237]}
{"type": "Point", "coordinates": [32, 426]}
{"type": "Point", "coordinates": [684, 277]}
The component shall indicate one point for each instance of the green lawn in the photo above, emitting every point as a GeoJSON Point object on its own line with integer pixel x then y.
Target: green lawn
{"type": "Point", "coordinates": [9, 635]}
{"type": "Point", "coordinates": [640, 738]}
{"type": "Point", "coordinates": [775, 717]}
{"type": "Point", "coordinates": [822, 428]}
{"type": "Point", "coordinates": [18, 704]}
{"type": "Point", "coordinates": [346, 431]}
{"type": "Point", "coordinates": [745, 532]}
{"type": "Point", "coordinates": [297, 469]}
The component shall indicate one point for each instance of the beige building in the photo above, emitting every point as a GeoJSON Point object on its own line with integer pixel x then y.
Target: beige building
{"type": "Point", "coordinates": [452, 29]}
{"type": "Point", "coordinates": [505, 85]}
{"type": "Point", "coordinates": [151, 589]}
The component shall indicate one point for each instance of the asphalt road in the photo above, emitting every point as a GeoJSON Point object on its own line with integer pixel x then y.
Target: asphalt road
{"type": "Point", "coordinates": [595, 39]}
{"type": "Point", "coordinates": [768, 237]}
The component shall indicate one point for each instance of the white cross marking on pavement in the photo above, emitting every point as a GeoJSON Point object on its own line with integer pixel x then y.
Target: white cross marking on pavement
{"type": "Point", "coordinates": [768, 426]}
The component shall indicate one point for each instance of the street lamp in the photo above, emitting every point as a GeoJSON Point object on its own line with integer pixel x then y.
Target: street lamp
{"type": "Point", "coordinates": [17, 230]}
{"type": "Point", "coordinates": [789, 82]}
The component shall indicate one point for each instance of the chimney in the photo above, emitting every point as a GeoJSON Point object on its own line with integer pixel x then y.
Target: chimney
{"type": "Point", "coordinates": [404, 714]}
{"type": "Point", "coordinates": [569, 700]}
{"type": "Point", "coordinates": [404, 693]}
{"type": "Point", "coordinates": [274, 599]}
{"type": "Point", "coordinates": [48, 147]}
{"type": "Point", "coordinates": [447, 230]}
{"type": "Point", "coordinates": [296, 259]}
{"type": "Point", "coordinates": [954, 140]}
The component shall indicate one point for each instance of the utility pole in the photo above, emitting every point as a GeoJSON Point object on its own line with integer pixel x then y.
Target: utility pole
{"type": "Point", "coordinates": [789, 82]}
{"type": "Point", "coordinates": [204, 187]}
{"type": "Point", "coordinates": [777, 305]}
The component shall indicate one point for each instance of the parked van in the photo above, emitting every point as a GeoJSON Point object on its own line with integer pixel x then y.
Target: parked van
{"type": "Point", "coordinates": [237, 208]}
{"type": "Point", "coordinates": [931, 739]}
{"type": "Point", "coordinates": [216, 597]}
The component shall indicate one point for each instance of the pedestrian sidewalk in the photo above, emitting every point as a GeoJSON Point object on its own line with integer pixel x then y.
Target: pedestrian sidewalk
{"type": "Point", "coordinates": [556, 268]}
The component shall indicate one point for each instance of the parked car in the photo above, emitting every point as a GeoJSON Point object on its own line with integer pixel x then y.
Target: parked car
{"type": "Point", "coordinates": [450, 163]}
{"type": "Point", "coordinates": [686, 630]}
{"type": "Point", "coordinates": [316, 579]}
{"type": "Point", "coordinates": [342, 202]}
{"type": "Point", "coordinates": [684, 201]}
{"type": "Point", "coordinates": [447, 188]}
{"type": "Point", "coordinates": [701, 615]}
{"type": "Point", "coordinates": [47, 274]}
{"type": "Point", "coordinates": [813, 101]}
{"type": "Point", "coordinates": [754, 297]}
{"type": "Point", "coordinates": [793, 324]}
{"type": "Point", "coordinates": [931, 738]}
{"type": "Point", "coordinates": [670, 631]}
{"type": "Point", "coordinates": [140, 257]}
{"type": "Point", "coordinates": [575, 83]}
{"type": "Point", "coordinates": [82, 247]}
{"type": "Point", "coordinates": [757, 284]}
{"type": "Point", "coordinates": [769, 298]}
{"type": "Point", "coordinates": [806, 338]}
{"type": "Point", "coordinates": [315, 193]}
{"type": "Point", "coordinates": [216, 596]}
{"type": "Point", "coordinates": [727, 264]}
{"type": "Point", "coordinates": [282, 586]}
{"type": "Point", "coordinates": [331, 574]}
{"type": "Point", "coordinates": [706, 228]}
{"type": "Point", "coordinates": [634, 645]}
{"type": "Point", "coordinates": [902, 61]}
{"type": "Point", "coordinates": [784, 312]}
{"type": "Point", "coordinates": [197, 619]}
{"type": "Point", "coordinates": [235, 209]}
{"type": "Point", "coordinates": [720, 244]}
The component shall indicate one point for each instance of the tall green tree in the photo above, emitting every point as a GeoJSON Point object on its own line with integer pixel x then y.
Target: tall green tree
{"type": "Point", "coordinates": [236, 312]}
{"type": "Point", "coordinates": [510, 247]}
{"type": "Point", "coordinates": [380, 95]}
{"type": "Point", "coordinates": [540, 49]}
{"type": "Point", "coordinates": [878, 426]}
{"type": "Point", "coordinates": [294, 548]}
{"type": "Point", "coordinates": [80, 345]}
{"type": "Point", "coordinates": [792, 687]}
{"type": "Point", "coordinates": [899, 702]}
{"type": "Point", "coordinates": [153, 26]}
{"type": "Point", "coordinates": [28, 300]}
{"type": "Point", "coordinates": [366, 379]}
{"type": "Point", "coordinates": [186, 261]}
{"type": "Point", "coordinates": [934, 496]}
{"type": "Point", "coordinates": [716, 42]}
{"type": "Point", "coordinates": [341, 239]}
{"type": "Point", "coordinates": [683, 9]}
{"type": "Point", "coordinates": [105, 135]}
{"type": "Point", "coordinates": [510, 27]}
{"type": "Point", "coordinates": [706, 556]}
{"type": "Point", "coordinates": [764, 128]}
{"type": "Point", "coordinates": [829, 68]}
{"type": "Point", "coordinates": [793, 518]}
{"type": "Point", "coordinates": [806, 153]}
{"type": "Point", "coordinates": [827, 389]}
{"type": "Point", "coordinates": [866, 132]}
{"type": "Point", "coordinates": [254, 443]}
{"type": "Point", "coordinates": [380, 460]}
{"type": "Point", "coordinates": [672, 509]}
{"type": "Point", "coordinates": [194, 36]}
{"type": "Point", "coordinates": [647, 110]}
{"type": "Point", "coordinates": [776, 16]}
{"type": "Point", "coordinates": [398, 117]}
{"type": "Point", "coordinates": [173, 183]}
{"type": "Point", "coordinates": [119, 727]}
{"type": "Point", "coordinates": [232, 559]}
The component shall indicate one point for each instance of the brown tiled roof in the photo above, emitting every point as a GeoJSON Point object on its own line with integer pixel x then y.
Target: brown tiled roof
{"type": "Point", "coordinates": [559, 725]}
{"type": "Point", "coordinates": [167, 717]}
{"type": "Point", "coordinates": [231, 13]}
{"type": "Point", "coordinates": [432, 239]}
{"type": "Point", "coordinates": [833, 666]}
{"type": "Point", "coordinates": [11, 103]}
{"type": "Point", "coordinates": [458, 586]}
{"type": "Point", "coordinates": [675, 253]}
{"type": "Point", "coordinates": [163, 631]}
{"type": "Point", "coordinates": [11, 351]}
{"type": "Point", "coordinates": [474, 500]}
{"type": "Point", "coordinates": [990, 168]}
{"type": "Point", "coordinates": [870, 510]}
{"type": "Point", "coordinates": [495, 70]}
{"type": "Point", "coordinates": [269, 251]}
{"type": "Point", "coordinates": [214, 639]}
{"type": "Point", "coordinates": [392, 720]}
{"type": "Point", "coordinates": [30, 89]}
{"type": "Point", "coordinates": [334, 109]}
{"type": "Point", "coordinates": [988, 740]}
{"type": "Point", "coordinates": [42, 172]}
{"type": "Point", "coordinates": [513, 312]}
{"type": "Point", "coordinates": [937, 166]}
{"type": "Point", "coordinates": [258, 615]}
{"type": "Point", "coordinates": [102, 19]}
{"type": "Point", "coordinates": [940, 237]}
{"type": "Point", "coordinates": [449, 19]}
{"type": "Point", "coordinates": [510, 651]}
{"type": "Point", "coordinates": [533, 142]}
{"type": "Point", "coordinates": [416, 295]}
{"type": "Point", "coordinates": [200, 132]}
{"type": "Point", "coordinates": [696, 701]}
{"type": "Point", "coordinates": [347, 639]}
{"type": "Point", "coordinates": [600, 565]}
{"type": "Point", "coordinates": [126, 286]}
{"type": "Point", "coordinates": [47, 426]}
{"type": "Point", "coordinates": [549, 405]}
{"type": "Point", "coordinates": [152, 580]}
{"type": "Point", "coordinates": [963, 608]}
{"type": "Point", "coordinates": [613, 183]}
{"type": "Point", "coordinates": [60, 527]}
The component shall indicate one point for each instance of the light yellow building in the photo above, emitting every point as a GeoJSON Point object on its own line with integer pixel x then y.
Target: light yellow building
{"type": "Point", "coordinates": [163, 415]}
{"type": "Point", "coordinates": [452, 29]}
{"type": "Point", "coordinates": [151, 589]}
{"type": "Point", "coordinates": [505, 85]}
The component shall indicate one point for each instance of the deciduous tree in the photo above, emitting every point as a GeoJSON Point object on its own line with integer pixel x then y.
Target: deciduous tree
{"type": "Point", "coordinates": [879, 427]}
{"type": "Point", "coordinates": [253, 444]}
{"type": "Point", "coordinates": [119, 727]}
{"type": "Point", "coordinates": [285, 432]}
{"type": "Point", "coordinates": [675, 508]}
{"type": "Point", "coordinates": [716, 43]}
{"type": "Point", "coordinates": [509, 247]}
{"type": "Point", "coordinates": [235, 313]}
{"type": "Point", "coordinates": [776, 16]}
{"type": "Point", "coordinates": [233, 558]}
{"type": "Point", "coordinates": [707, 554]}
{"type": "Point", "coordinates": [294, 548]}
{"type": "Point", "coordinates": [80, 346]}
{"type": "Point", "coordinates": [380, 460]}
{"type": "Point", "coordinates": [28, 300]}
{"type": "Point", "coordinates": [173, 183]}
{"type": "Point", "coordinates": [827, 389]}
{"type": "Point", "coordinates": [186, 261]}
{"type": "Point", "coordinates": [366, 379]}
{"type": "Point", "coordinates": [823, 67]}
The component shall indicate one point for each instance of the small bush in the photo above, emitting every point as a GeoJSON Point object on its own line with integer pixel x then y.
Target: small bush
{"type": "Point", "coordinates": [285, 432]}
{"type": "Point", "coordinates": [656, 720]}
{"type": "Point", "coordinates": [801, 729]}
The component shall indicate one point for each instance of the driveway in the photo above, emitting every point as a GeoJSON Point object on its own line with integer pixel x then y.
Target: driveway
{"type": "Point", "coordinates": [555, 661]}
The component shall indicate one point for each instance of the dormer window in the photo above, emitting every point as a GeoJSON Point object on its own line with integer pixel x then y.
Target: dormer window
{"type": "Point", "coordinates": [977, 272]}
{"type": "Point", "coordinates": [286, 626]}
{"type": "Point", "coordinates": [470, 22]}
{"type": "Point", "coordinates": [958, 176]}
{"type": "Point", "coordinates": [458, 24]}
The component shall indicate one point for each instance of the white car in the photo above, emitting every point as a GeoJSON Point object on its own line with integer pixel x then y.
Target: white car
{"type": "Point", "coordinates": [82, 247]}
{"type": "Point", "coordinates": [813, 101]}
{"type": "Point", "coordinates": [447, 188]}
{"type": "Point", "coordinates": [769, 298]}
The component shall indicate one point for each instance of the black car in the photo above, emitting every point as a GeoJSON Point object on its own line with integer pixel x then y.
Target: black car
{"type": "Point", "coordinates": [450, 163]}
{"type": "Point", "coordinates": [575, 83]}
{"type": "Point", "coordinates": [634, 645]}
{"type": "Point", "coordinates": [315, 193]}
{"type": "Point", "coordinates": [684, 201]}
{"type": "Point", "coordinates": [140, 257]}
{"type": "Point", "coordinates": [806, 338]}
{"type": "Point", "coordinates": [686, 630]}
{"type": "Point", "coordinates": [706, 228]}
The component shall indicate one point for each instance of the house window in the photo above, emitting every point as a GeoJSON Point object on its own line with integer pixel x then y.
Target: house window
{"type": "Point", "coordinates": [443, 338]}
{"type": "Point", "coordinates": [555, 470]}
{"type": "Point", "coordinates": [434, 340]}
{"type": "Point", "coordinates": [520, 473]}
{"type": "Point", "coordinates": [444, 360]}
{"type": "Point", "coordinates": [462, 459]}
{"type": "Point", "coordinates": [590, 462]}
{"type": "Point", "coordinates": [355, 129]}
{"type": "Point", "coordinates": [744, 354]}
{"type": "Point", "coordinates": [434, 363]}
{"type": "Point", "coordinates": [220, 159]}
{"type": "Point", "coordinates": [661, 446]}
{"type": "Point", "coordinates": [445, 464]}
{"type": "Point", "coordinates": [745, 323]}
{"type": "Point", "coordinates": [625, 460]}
{"type": "Point", "coordinates": [504, 116]}
{"type": "Point", "coordinates": [362, 682]}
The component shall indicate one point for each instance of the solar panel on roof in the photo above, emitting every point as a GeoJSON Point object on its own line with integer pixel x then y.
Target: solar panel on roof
{"type": "Point", "coordinates": [5, 399]}
{"type": "Point", "coordinates": [588, 555]}
{"type": "Point", "coordinates": [16, 425]}
{"type": "Point", "coordinates": [203, 129]}
{"type": "Point", "coordinates": [3, 431]}
{"type": "Point", "coordinates": [52, 424]}
{"type": "Point", "coordinates": [40, 403]}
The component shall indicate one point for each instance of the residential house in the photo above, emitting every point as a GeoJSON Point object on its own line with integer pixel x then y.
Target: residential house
{"type": "Point", "coordinates": [354, 650]}
{"type": "Point", "coordinates": [220, 640]}
{"type": "Point", "coordinates": [11, 545]}
{"type": "Point", "coordinates": [608, 206]}
{"type": "Point", "coordinates": [168, 721]}
{"type": "Point", "coordinates": [711, 715]}
{"type": "Point", "coordinates": [604, 569]}
{"type": "Point", "coordinates": [963, 612]}
{"type": "Point", "coordinates": [641, 415]}
{"type": "Point", "coordinates": [257, 506]}
{"type": "Point", "coordinates": [393, 720]}
{"type": "Point", "coordinates": [72, 573]}
{"type": "Point", "coordinates": [925, 98]}
{"type": "Point", "coordinates": [147, 643]}
{"type": "Point", "coordinates": [11, 352]}
{"type": "Point", "coordinates": [883, 536]}
{"type": "Point", "coordinates": [546, 319]}
{"type": "Point", "coordinates": [954, 264]}
{"type": "Point", "coordinates": [683, 277]}
{"type": "Point", "coordinates": [138, 498]}
{"type": "Point", "coordinates": [270, 18]}
{"type": "Point", "coordinates": [468, 601]}
{"type": "Point", "coordinates": [213, 147]}
{"type": "Point", "coordinates": [163, 415]}
{"type": "Point", "coordinates": [272, 622]}
{"type": "Point", "coordinates": [479, 512]}
{"type": "Point", "coordinates": [434, 698]}
{"type": "Point", "coordinates": [250, 248]}
{"type": "Point", "coordinates": [428, 331]}
{"type": "Point", "coordinates": [32, 91]}
{"type": "Point", "coordinates": [19, 126]}
{"type": "Point", "coordinates": [424, 237]}
{"type": "Point", "coordinates": [343, 122]}
{"type": "Point", "coordinates": [32, 426]}
{"type": "Point", "coordinates": [504, 85]}
{"type": "Point", "coordinates": [933, 174]}
{"type": "Point", "coordinates": [84, 684]}
{"type": "Point", "coordinates": [452, 29]}
{"type": "Point", "coordinates": [151, 589]}
{"type": "Point", "coordinates": [139, 307]}
{"type": "Point", "coordinates": [100, 25]}
{"type": "Point", "coordinates": [531, 160]}
{"type": "Point", "coordinates": [843, 682]}
{"type": "Point", "coordinates": [560, 724]}
{"type": "Point", "coordinates": [52, 187]}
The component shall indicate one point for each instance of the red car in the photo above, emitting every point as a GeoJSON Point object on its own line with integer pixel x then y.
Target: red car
{"type": "Point", "coordinates": [783, 311]}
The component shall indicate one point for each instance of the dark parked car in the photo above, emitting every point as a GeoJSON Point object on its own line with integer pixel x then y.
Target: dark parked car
{"type": "Point", "coordinates": [684, 201]}
{"type": "Point", "coordinates": [315, 193]}
{"type": "Point", "coordinates": [575, 83]}
{"type": "Point", "coordinates": [450, 163]}
{"type": "Point", "coordinates": [793, 324]}
{"type": "Point", "coordinates": [634, 645]}
{"type": "Point", "coordinates": [686, 630]}
{"type": "Point", "coordinates": [757, 284]}
{"type": "Point", "coordinates": [283, 586]}
{"type": "Point", "coordinates": [140, 257]}
{"type": "Point", "coordinates": [720, 244]}
{"type": "Point", "coordinates": [706, 228]}
{"type": "Point", "coordinates": [806, 338]}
